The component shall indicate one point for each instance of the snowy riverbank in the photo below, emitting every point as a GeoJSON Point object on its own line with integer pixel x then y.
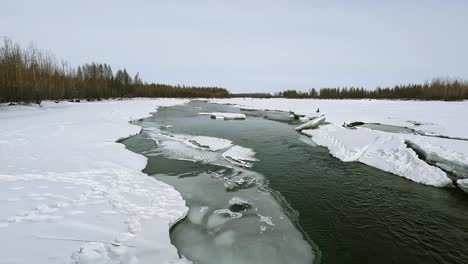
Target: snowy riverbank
{"type": "Point", "coordinates": [384, 150]}
{"type": "Point", "coordinates": [70, 194]}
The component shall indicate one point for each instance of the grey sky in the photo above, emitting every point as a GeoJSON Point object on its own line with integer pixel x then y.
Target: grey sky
{"type": "Point", "coordinates": [249, 46]}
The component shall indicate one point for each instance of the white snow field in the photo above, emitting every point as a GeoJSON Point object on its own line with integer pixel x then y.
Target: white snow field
{"type": "Point", "coordinates": [70, 194]}
{"type": "Point", "coordinates": [384, 150]}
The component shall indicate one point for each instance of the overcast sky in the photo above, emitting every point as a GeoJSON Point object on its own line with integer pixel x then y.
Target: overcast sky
{"type": "Point", "coordinates": [249, 46]}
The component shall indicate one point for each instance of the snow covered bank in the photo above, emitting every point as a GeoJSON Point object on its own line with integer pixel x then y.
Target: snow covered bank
{"type": "Point", "coordinates": [438, 117]}
{"type": "Point", "coordinates": [70, 194]}
{"type": "Point", "coordinates": [384, 150]}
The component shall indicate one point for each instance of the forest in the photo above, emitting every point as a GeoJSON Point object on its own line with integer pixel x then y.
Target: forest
{"type": "Point", "coordinates": [31, 75]}
{"type": "Point", "coordinates": [437, 89]}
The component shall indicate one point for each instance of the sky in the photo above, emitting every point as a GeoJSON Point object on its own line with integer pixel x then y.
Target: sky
{"type": "Point", "coordinates": [255, 45]}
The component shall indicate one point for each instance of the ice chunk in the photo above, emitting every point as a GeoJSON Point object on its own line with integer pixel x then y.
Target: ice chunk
{"type": "Point", "coordinates": [240, 156]}
{"type": "Point", "coordinates": [202, 148]}
{"type": "Point", "coordinates": [314, 123]}
{"type": "Point", "coordinates": [307, 118]}
{"type": "Point", "coordinates": [463, 184]}
{"type": "Point", "coordinates": [225, 116]}
{"type": "Point", "coordinates": [381, 150]}
{"type": "Point", "coordinates": [211, 142]}
{"type": "Point", "coordinates": [444, 153]}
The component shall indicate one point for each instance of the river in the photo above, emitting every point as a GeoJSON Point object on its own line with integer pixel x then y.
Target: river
{"type": "Point", "coordinates": [296, 203]}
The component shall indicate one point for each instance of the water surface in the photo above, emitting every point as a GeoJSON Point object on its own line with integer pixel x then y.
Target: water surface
{"type": "Point", "coordinates": [352, 212]}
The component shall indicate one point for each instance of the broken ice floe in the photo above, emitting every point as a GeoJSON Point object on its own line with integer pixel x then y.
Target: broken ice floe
{"type": "Point", "coordinates": [307, 118]}
{"type": "Point", "coordinates": [240, 156]}
{"type": "Point", "coordinates": [455, 164]}
{"type": "Point", "coordinates": [314, 123]}
{"type": "Point", "coordinates": [201, 148]}
{"type": "Point", "coordinates": [225, 116]}
{"type": "Point", "coordinates": [463, 184]}
{"type": "Point", "coordinates": [381, 150]}
{"type": "Point", "coordinates": [244, 182]}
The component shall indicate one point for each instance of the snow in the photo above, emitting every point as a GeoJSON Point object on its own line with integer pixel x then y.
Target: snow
{"type": "Point", "coordinates": [431, 116]}
{"type": "Point", "coordinates": [70, 194]}
{"type": "Point", "coordinates": [314, 123]}
{"type": "Point", "coordinates": [240, 156]}
{"type": "Point", "coordinates": [211, 143]}
{"type": "Point", "coordinates": [201, 149]}
{"type": "Point", "coordinates": [384, 150]}
{"type": "Point", "coordinates": [224, 116]}
{"type": "Point", "coordinates": [381, 150]}
{"type": "Point", "coordinates": [463, 184]}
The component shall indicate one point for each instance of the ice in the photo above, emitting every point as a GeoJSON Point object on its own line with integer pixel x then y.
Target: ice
{"type": "Point", "coordinates": [70, 194]}
{"type": "Point", "coordinates": [307, 118]}
{"type": "Point", "coordinates": [463, 184]}
{"type": "Point", "coordinates": [223, 234]}
{"type": "Point", "coordinates": [224, 224]}
{"type": "Point", "coordinates": [201, 149]}
{"type": "Point", "coordinates": [225, 116]}
{"type": "Point", "coordinates": [384, 150]}
{"type": "Point", "coordinates": [240, 156]}
{"type": "Point", "coordinates": [237, 204]}
{"type": "Point", "coordinates": [314, 123]}
{"type": "Point", "coordinates": [225, 239]}
{"type": "Point", "coordinates": [211, 143]}
{"type": "Point", "coordinates": [447, 154]}
{"type": "Point", "coordinates": [196, 214]}
{"type": "Point", "coordinates": [438, 117]}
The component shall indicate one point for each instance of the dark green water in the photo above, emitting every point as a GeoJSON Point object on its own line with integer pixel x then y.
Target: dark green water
{"type": "Point", "coordinates": [352, 212]}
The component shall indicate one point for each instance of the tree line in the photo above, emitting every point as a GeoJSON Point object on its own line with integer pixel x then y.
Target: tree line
{"type": "Point", "coordinates": [32, 75]}
{"type": "Point", "coordinates": [437, 89]}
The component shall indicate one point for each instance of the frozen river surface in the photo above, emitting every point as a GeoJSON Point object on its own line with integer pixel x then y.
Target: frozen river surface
{"type": "Point", "coordinates": [259, 192]}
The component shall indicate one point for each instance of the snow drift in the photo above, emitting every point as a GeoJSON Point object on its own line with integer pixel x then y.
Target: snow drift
{"type": "Point", "coordinates": [70, 194]}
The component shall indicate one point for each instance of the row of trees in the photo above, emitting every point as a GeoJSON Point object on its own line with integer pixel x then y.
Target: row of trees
{"type": "Point", "coordinates": [31, 75]}
{"type": "Point", "coordinates": [438, 89]}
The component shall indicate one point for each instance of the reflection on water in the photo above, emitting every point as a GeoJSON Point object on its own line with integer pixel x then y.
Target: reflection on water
{"type": "Point", "coordinates": [354, 213]}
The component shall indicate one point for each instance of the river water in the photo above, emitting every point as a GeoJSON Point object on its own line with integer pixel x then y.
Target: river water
{"type": "Point", "coordinates": [296, 203]}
